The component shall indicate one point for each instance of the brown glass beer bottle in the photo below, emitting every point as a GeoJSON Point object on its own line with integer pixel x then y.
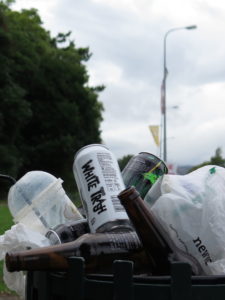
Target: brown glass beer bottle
{"type": "Point", "coordinates": [157, 249]}
{"type": "Point", "coordinates": [99, 251]}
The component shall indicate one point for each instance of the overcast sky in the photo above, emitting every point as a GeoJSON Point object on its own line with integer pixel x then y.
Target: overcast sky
{"type": "Point", "coordinates": [125, 38]}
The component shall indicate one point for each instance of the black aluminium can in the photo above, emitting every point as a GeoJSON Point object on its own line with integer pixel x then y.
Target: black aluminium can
{"type": "Point", "coordinates": [64, 233]}
{"type": "Point", "coordinates": [142, 171]}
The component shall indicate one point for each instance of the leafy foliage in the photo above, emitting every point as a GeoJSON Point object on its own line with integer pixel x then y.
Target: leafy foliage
{"type": "Point", "coordinates": [47, 109]}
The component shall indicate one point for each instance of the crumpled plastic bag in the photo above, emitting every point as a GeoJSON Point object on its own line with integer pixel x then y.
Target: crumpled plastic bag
{"type": "Point", "coordinates": [190, 211]}
{"type": "Point", "coordinates": [19, 238]}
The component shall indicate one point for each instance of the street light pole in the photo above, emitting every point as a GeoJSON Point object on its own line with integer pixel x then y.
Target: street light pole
{"type": "Point", "coordinates": [163, 92]}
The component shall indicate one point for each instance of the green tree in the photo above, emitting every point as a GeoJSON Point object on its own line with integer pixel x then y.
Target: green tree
{"type": "Point", "coordinates": [14, 109]}
{"type": "Point", "coordinates": [217, 160]}
{"type": "Point", "coordinates": [47, 109]}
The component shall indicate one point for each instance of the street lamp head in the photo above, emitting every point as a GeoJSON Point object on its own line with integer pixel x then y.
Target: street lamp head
{"type": "Point", "coordinates": [191, 27]}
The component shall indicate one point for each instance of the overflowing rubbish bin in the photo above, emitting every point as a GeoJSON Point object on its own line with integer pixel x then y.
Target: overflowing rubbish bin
{"type": "Point", "coordinates": [122, 284]}
{"type": "Point", "coordinates": [144, 234]}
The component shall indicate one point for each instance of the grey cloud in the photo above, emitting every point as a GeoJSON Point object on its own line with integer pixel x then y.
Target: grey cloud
{"type": "Point", "coordinates": [134, 45]}
{"type": "Point", "coordinates": [132, 104]}
{"type": "Point", "coordinates": [111, 33]}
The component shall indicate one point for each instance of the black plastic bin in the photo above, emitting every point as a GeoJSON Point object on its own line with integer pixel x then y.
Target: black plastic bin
{"type": "Point", "coordinates": [122, 284]}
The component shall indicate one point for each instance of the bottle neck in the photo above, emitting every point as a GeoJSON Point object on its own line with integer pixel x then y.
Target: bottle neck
{"type": "Point", "coordinates": [99, 251]}
{"type": "Point", "coordinates": [41, 258]}
{"type": "Point", "coordinates": [146, 226]}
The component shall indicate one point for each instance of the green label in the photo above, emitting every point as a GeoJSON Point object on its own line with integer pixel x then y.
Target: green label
{"type": "Point", "coordinates": [151, 177]}
{"type": "Point", "coordinates": [212, 170]}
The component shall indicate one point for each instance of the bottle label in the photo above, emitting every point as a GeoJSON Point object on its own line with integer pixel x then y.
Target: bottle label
{"type": "Point", "coordinates": [99, 180]}
{"type": "Point", "coordinates": [126, 241]}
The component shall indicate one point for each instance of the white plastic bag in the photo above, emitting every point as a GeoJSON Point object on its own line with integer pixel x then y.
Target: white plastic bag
{"type": "Point", "coordinates": [190, 210]}
{"type": "Point", "coordinates": [19, 238]}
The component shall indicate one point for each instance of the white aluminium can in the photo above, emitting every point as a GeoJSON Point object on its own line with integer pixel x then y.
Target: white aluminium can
{"type": "Point", "coordinates": [99, 181]}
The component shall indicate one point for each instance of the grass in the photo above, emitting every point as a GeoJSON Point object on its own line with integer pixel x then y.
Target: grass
{"type": "Point", "coordinates": [5, 223]}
